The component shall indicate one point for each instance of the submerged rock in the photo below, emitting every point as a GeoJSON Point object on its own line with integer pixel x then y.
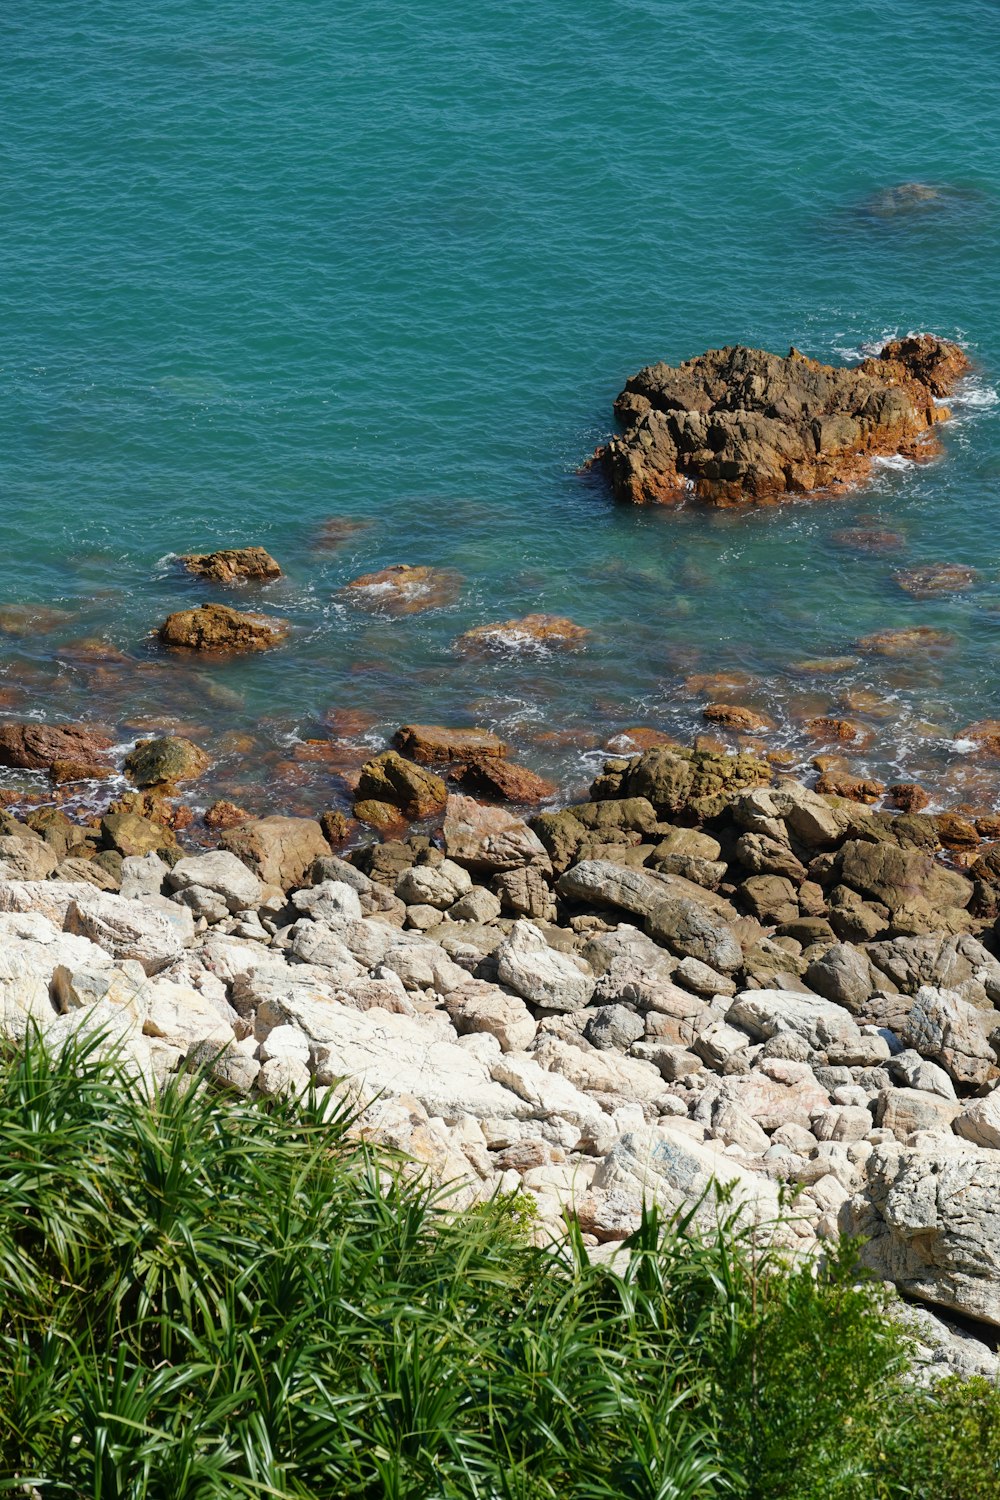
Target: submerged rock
{"type": "Point", "coordinates": [405, 590]}
{"type": "Point", "coordinates": [217, 628]}
{"type": "Point", "coordinates": [233, 565]}
{"type": "Point", "coordinates": [933, 579]}
{"type": "Point", "coordinates": [164, 761]}
{"type": "Point", "coordinates": [737, 426]}
{"type": "Point", "coordinates": [532, 631]}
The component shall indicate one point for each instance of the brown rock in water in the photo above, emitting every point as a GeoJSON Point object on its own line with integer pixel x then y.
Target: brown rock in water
{"type": "Point", "coordinates": [217, 628]}
{"type": "Point", "coordinates": [824, 666]}
{"type": "Point", "coordinates": [63, 772]}
{"type": "Point", "coordinates": [402, 784]}
{"type": "Point", "coordinates": [717, 684]}
{"type": "Point", "coordinates": [933, 579]}
{"type": "Point", "coordinates": [856, 788]}
{"type": "Point", "coordinates": [908, 796]}
{"type": "Point", "coordinates": [956, 832]}
{"type": "Point", "coordinates": [984, 734]}
{"type": "Point", "coordinates": [35, 747]}
{"type": "Point", "coordinates": [840, 731]}
{"type": "Point", "coordinates": [908, 640]}
{"type": "Point", "coordinates": [729, 716]}
{"type": "Point", "coordinates": [31, 619]}
{"type": "Point", "coordinates": [233, 565]}
{"type": "Point", "coordinates": [737, 426]}
{"type": "Point", "coordinates": [486, 776]}
{"type": "Point", "coordinates": [385, 817]}
{"type": "Point", "coordinates": [640, 737]}
{"type": "Point", "coordinates": [162, 762]}
{"type": "Point", "coordinates": [337, 828]}
{"type": "Point", "coordinates": [532, 630]}
{"type": "Point", "coordinates": [334, 532]}
{"type": "Point", "coordinates": [404, 590]}
{"type": "Point", "coordinates": [224, 814]}
{"type": "Point", "coordinates": [432, 744]}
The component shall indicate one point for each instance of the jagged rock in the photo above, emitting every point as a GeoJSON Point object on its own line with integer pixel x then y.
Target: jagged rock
{"type": "Point", "coordinates": [279, 850]}
{"type": "Point", "coordinates": [133, 836]}
{"type": "Point", "coordinates": [770, 898]}
{"type": "Point", "coordinates": [979, 1122]}
{"type": "Point", "coordinates": [550, 980]}
{"type": "Point", "coordinates": [164, 761]}
{"type": "Point", "coordinates": [691, 930]}
{"type": "Point", "coordinates": [914, 887]}
{"type": "Point", "coordinates": [764, 856]}
{"type": "Point", "coordinates": [225, 1065]}
{"type": "Point", "coordinates": [909, 1068]}
{"type": "Point", "coordinates": [233, 565]}
{"type": "Point", "coordinates": [217, 628]}
{"type": "Point", "coordinates": [24, 856]}
{"type": "Point", "coordinates": [488, 1009]}
{"type": "Point", "coordinates": [703, 781]}
{"type": "Point", "coordinates": [489, 776]}
{"type": "Point", "coordinates": [478, 905]}
{"type": "Point", "coordinates": [942, 1026]}
{"type": "Point", "coordinates": [613, 1027]}
{"type": "Point", "coordinates": [958, 963]}
{"type": "Point", "coordinates": [929, 1222]}
{"type": "Point", "coordinates": [130, 929]}
{"type": "Point", "coordinates": [737, 426]}
{"type": "Point", "coordinates": [607, 1076]}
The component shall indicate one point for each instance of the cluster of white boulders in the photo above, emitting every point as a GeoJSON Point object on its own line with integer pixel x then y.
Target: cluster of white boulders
{"type": "Point", "coordinates": [629, 1053]}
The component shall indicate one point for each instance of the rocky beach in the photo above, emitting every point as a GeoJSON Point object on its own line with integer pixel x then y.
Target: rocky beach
{"type": "Point", "coordinates": [706, 973]}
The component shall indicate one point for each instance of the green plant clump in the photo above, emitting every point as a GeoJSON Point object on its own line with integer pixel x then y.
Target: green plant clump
{"type": "Point", "coordinates": [203, 1298]}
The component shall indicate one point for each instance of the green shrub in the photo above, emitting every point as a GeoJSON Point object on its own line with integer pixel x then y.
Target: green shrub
{"type": "Point", "coordinates": [205, 1298]}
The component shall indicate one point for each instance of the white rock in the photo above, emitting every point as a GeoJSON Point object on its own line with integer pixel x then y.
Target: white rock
{"type": "Point", "coordinates": [142, 875]}
{"type": "Point", "coordinates": [979, 1122]}
{"type": "Point", "coordinates": [127, 929]}
{"type": "Point", "coordinates": [221, 872]}
{"type": "Point", "coordinates": [185, 1016]}
{"type": "Point", "coordinates": [533, 970]}
{"type": "Point", "coordinates": [332, 901]}
{"type": "Point", "coordinates": [547, 1093]}
{"type": "Point", "coordinates": [434, 885]}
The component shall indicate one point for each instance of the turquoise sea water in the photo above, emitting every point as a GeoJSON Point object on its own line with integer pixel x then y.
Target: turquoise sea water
{"type": "Point", "coordinates": [266, 264]}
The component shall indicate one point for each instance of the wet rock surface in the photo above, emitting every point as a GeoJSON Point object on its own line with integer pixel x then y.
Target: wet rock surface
{"type": "Point", "coordinates": [739, 426]}
{"type": "Point", "coordinates": [217, 628]}
{"type": "Point", "coordinates": [233, 565]}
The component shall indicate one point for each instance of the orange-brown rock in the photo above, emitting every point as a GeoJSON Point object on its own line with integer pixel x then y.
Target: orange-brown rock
{"type": "Point", "coordinates": [863, 700]}
{"type": "Point", "coordinates": [984, 734]}
{"type": "Point", "coordinates": [404, 590]}
{"type": "Point", "coordinates": [504, 781]}
{"type": "Point", "coordinates": [856, 788]}
{"type": "Point", "coordinates": [831, 763]}
{"type": "Point", "coordinates": [400, 783]}
{"type": "Point", "coordinates": [908, 640]}
{"type": "Point", "coordinates": [738, 426]}
{"type": "Point", "coordinates": [233, 565]}
{"type": "Point", "coordinates": [217, 628]}
{"type": "Point", "coordinates": [385, 817]}
{"type": "Point", "coordinates": [730, 716]}
{"type": "Point", "coordinates": [988, 826]}
{"type": "Point", "coordinates": [224, 814]}
{"type": "Point", "coordinates": [62, 772]}
{"type": "Point", "coordinates": [34, 747]}
{"type": "Point", "coordinates": [956, 832]}
{"type": "Point", "coordinates": [908, 796]}
{"type": "Point", "coordinates": [433, 744]}
{"type": "Point", "coordinates": [532, 630]}
{"type": "Point", "coordinates": [934, 579]}
{"type": "Point", "coordinates": [840, 731]}
{"type": "Point", "coordinates": [640, 737]}
{"type": "Point", "coordinates": [825, 666]}
{"type": "Point", "coordinates": [716, 685]}
{"type": "Point", "coordinates": [337, 828]}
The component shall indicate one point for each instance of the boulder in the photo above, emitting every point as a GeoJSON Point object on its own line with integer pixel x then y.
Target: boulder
{"type": "Point", "coordinates": [904, 1111]}
{"type": "Point", "coordinates": [164, 761]}
{"type": "Point", "coordinates": [401, 783]}
{"type": "Point", "coordinates": [929, 1221]}
{"type": "Point", "coordinates": [222, 872]}
{"type": "Point", "coordinates": [979, 1122]}
{"type": "Point", "coordinates": [693, 931]}
{"type": "Point", "coordinates": [490, 840]}
{"type": "Point", "coordinates": [739, 426]}
{"type": "Point", "coordinates": [279, 850]}
{"type": "Point", "coordinates": [133, 836]}
{"type": "Point", "coordinates": [439, 886]}
{"type": "Point", "coordinates": [552, 981]}
{"type": "Point", "coordinates": [219, 629]}
{"type": "Point", "coordinates": [842, 974]}
{"type": "Point", "coordinates": [233, 565]}
{"type": "Point", "coordinates": [504, 780]}
{"type": "Point", "coordinates": [825, 1027]}
{"type": "Point", "coordinates": [917, 889]}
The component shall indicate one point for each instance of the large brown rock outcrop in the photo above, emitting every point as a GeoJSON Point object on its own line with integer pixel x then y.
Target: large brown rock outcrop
{"type": "Point", "coordinates": [738, 426]}
{"type": "Point", "coordinates": [35, 747]}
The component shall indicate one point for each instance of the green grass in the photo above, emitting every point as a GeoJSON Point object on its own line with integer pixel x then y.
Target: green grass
{"type": "Point", "coordinates": [203, 1298]}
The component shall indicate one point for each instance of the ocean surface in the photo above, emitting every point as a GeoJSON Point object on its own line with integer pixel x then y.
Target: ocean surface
{"type": "Point", "coordinates": [271, 265]}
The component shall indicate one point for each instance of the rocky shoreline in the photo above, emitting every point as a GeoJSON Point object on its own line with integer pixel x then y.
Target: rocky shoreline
{"type": "Point", "coordinates": [704, 972]}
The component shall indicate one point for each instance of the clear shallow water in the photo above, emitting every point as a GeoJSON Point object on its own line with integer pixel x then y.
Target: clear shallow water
{"type": "Point", "coordinates": [267, 264]}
